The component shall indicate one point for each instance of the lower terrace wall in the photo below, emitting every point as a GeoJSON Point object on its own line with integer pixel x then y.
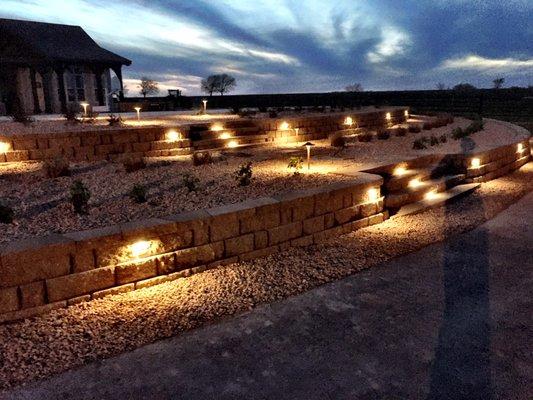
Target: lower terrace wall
{"type": "Point", "coordinates": [44, 273]}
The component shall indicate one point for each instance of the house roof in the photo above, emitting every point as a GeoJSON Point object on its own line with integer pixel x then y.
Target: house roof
{"type": "Point", "coordinates": [55, 42]}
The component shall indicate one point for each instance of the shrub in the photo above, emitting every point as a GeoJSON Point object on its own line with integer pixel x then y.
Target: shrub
{"type": "Point", "coordinates": [235, 110]}
{"type": "Point", "coordinates": [244, 174]}
{"type": "Point", "coordinates": [56, 167]}
{"type": "Point", "coordinates": [476, 126]}
{"type": "Point", "coordinates": [443, 138]}
{"type": "Point", "coordinates": [114, 120]}
{"type": "Point", "coordinates": [458, 133]}
{"type": "Point", "coordinates": [401, 131]}
{"type": "Point", "coordinates": [262, 109]}
{"type": "Point", "coordinates": [79, 197]}
{"type": "Point", "coordinates": [138, 193]}
{"type": "Point", "coordinates": [19, 115]}
{"type": "Point", "coordinates": [420, 144]}
{"type": "Point", "coordinates": [414, 128]}
{"type": "Point", "coordinates": [427, 125]}
{"type": "Point", "coordinates": [132, 164]}
{"type": "Point", "coordinates": [71, 113]}
{"type": "Point", "coordinates": [433, 141]}
{"type": "Point", "coordinates": [201, 158]}
{"type": "Point", "coordinates": [383, 134]}
{"type": "Point", "coordinates": [272, 114]}
{"type": "Point", "coordinates": [338, 140]}
{"type": "Point", "coordinates": [295, 164]}
{"type": "Point", "coordinates": [365, 136]}
{"type": "Point", "coordinates": [191, 182]}
{"type": "Point", "coordinates": [6, 214]}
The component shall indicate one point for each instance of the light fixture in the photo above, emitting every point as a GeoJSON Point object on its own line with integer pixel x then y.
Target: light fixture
{"type": "Point", "coordinates": [140, 248]}
{"type": "Point", "coordinates": [348, 121]}
{"type": "Point", "coordinates": [519, 147]}
{"type": "Point", "coordinates": [205, 106]}
{"type": "Point", "coordinates": [224, 135]}
{"type": "Point", "coordinates": [173, 136]}
{"type": "Point", "coordinates": [373, 194]}
{"type": "Point", "coordinates": [84, 105]}
{"type": "Point", "coordinates": [284, 126]}
{"type": "Point", "coordinates": [217, 127]}
{"type": "Point", "coordinates": [138, 109]}
{"type": "Point", "coordinates": [399, 171]}
{"type": "Point", "coordinates": [406, 113]}
{"type": "Point", "coordinates": [232, 144]}
{"type": "Point", "coordinates": [475, 163]}
{"type": "Point", "coordinates": [4, 147]}
{"type": "Point", "coordinates": [388, 116]}
{"type": "Point", "coordinates": [308, 146]}
{"type": "Point", "coordinates": [415, 183]}
{"type": "Point", "coordinates": [431, 195]}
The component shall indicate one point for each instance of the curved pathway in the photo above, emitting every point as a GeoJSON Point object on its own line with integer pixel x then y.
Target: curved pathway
{"type": "Point", "coordinates": [451, 321]}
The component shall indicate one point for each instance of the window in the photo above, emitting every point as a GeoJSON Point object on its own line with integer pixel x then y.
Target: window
{"type": "Point", "coordinates": [75, 85]}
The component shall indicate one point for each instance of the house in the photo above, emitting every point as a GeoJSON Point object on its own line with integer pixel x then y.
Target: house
{"type": "Point", "coordinates": [45, 67]}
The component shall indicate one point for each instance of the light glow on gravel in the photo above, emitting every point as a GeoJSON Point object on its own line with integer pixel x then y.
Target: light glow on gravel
{"type": "Point", "coordinates": [4, 147]}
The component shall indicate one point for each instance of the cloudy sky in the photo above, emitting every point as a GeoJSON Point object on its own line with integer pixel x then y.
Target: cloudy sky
{"type": "Point", "coordinates": [274, 46]}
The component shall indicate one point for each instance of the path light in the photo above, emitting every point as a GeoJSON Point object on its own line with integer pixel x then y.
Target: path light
{"type": "Point", "coordinates": [224, 135]}
{"type": "Point", "coordinates": [475, 163]}
{"type": "Point", "coordinates": [216, 127]}
{"type": "Point", "coordinates": [4, 147]}
{"type": "Point", "coordinates": [388, 117]}
{"type": "Point", "coordinates": [414, 183]}
{"type": "Point", "coordinates": [373, 194]}
{"type": "Point", "coordinates": [138, 109]}
{"type": "Point", "coordinates": [84, 105]}
{"type": "Point", "coordinates": [348, 121]}
{"type": "Point", "coordinates": [140, 248]}
{"type": "Point", "coordinates": [399, 171]}
{"type": "Point", "coordinates": [205, 106]}
{"type": "Point", "coordinates": [232, 144]}
{"type": "Point", "coordinates": [406, 113]}
{"type": "Point", "coordinates": [308, 146]}
{"type": "Point", "coordinates": [173, 135]}
{"type": "Point", "coordinates": [284, 126]}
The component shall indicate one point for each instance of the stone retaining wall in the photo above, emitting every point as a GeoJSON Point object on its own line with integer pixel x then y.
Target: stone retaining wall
{"type": "Point", "coordinates": [40, 274]}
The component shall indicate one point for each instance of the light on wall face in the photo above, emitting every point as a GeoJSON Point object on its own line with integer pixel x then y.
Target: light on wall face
{"type": "Point", "coordinates": [140, 248]}
{"type": "Point", "coordinates": [520, 148]}
{"type": "Point", "coordinates": [406, 113]}
{"type": "Point", "coordinates": [4, 147]}
{"type": "Point", "coordinates": [173, 136]}
{"type": "Point", "coordinates": [217, 127]}
{"type": "Point", "coordinates": [475, 163]}
{"type": "Point", "coordinates": [399, 171]}
{"type": "Point", "coordinates": [388, 116]}
{"type": "Point", "coordinates": [415, 183]}
{"type": "Point", "coordinates": [232, 144]}
{"type": "Point", "coordinates": [224, 135]}
{"type": "Point", "coordinates": [373, 194]}
{"type": "Point", "coordinates": [431, 195]}
{"type": "Point", "coordinates": [284, 126]}
{"type": "Point", "coordinates": [348, 121]}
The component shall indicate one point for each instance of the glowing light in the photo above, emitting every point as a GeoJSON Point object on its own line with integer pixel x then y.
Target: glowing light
{"type": "Point", "coordinates": [475, 163]}
{"type": "Point", "coordinates": [399, 171]}
{"type": "Point", "coordinates": [224, 135]}
{"type": "Point", "coordinates": [520, 148]}
{"type": "Point", "coordinates": [232, 144]}
{"type": "Point", "coordinates": [84, 105]}
{"type": "Point", "coordinates": [348, 121]}
{"type": "Point", "coordinates": [415, 183]}
{"type": "Point", "coordinates": [4, 147]}
{"type": "Point", "coordinates": [217, 127]}
{"type": "Point", "coordinates": [140, 248]}
{"type": "Point", "coordinates": [406, 113]}
{"type": "Point", "coordinates": [373, 194]}
{"type": "Point", "coordinates": [284, 126]}
{"type": "Point", "coordinates": [388, 116]}
{"type": "Point", "coordinates": [173, 136]}
{"type": "Point", "coordinates": [138, 109]}
{"type": "Point", "coordinates": [205, 106]}
{"type": "Point", "coordinates": [308, 146]}
{"type": "Point", "coordinates": [431, 195]}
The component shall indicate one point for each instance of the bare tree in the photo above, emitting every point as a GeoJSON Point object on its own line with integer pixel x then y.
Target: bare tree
{"type": "Point", "coordinates": [222, 83]}
{"type": "Point", "coordinates": [148, 86]}
{"type": "Point", "coordinates": [498, 83]}
{"type": "Point", "coordinates": [440, 86]}
{"type": "Point", "coordinates": [464, 87]}
{"type": "Point", "coordinates": [356, 87]}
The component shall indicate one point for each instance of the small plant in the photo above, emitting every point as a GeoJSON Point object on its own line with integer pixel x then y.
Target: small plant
{"type": "Point", "coordinates": [244, 174]}
{"type": "Point", "coordinates": [6, 214]}
{"type": "Point", "coordinates": [415, 128]}
{"type": "Point", "coordinates": [420, 144]}
{"type": "Point", "coordinates": [458, 133]}
{"type": "Point", "coordinates": [56, 167]}
{"type": "Point", "coordinates": [338, 141]}
{"type": "Point", "coordinates": [235, 110]}
{"type": "Point", "coordinates": [19, 115]}
{"type": "Point", "coordinates": [272, 114]}
{"type": "Point", "coordinates": [201, 158]}
{"type": "Point", "coordinates": [383, 134]}
{"type": "Point", "coordinates": [427, 125]}
{"type": "Point", "coordinates": [132, 164]}
{"type": "Point", "coordinates": [138, 193]}
{"type": "Point", "coordinates": [401, 131]}
{"type": "Point", "coordinates": [296, 164]}
{"type": "Point", "coordinates": [191, 182]}
{"type": "Point", "coordinates": [365, 137]}
{"type": "Point", "coordinates": [443, 138]}
{"type": "Point", "coordinates": [433, 140]}
{"type": "Point", "coordinates": [79, 197]}
{"type": "Point", "coordinates": [114, 120]}
{"type": "Point", "coordinates": [71, 114]}
{"type": "Point", "coordinates": [262, 109]}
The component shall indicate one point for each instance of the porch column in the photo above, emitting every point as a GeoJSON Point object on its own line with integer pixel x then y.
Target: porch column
{"type": "Point", "coordinates": [118, 72]}
{"type": "Point", "coordinates": [35, 95]}
{"type": "Point", "coordinates": [99, 86]}
{"type": "Point", "coordinates": [62, 91]}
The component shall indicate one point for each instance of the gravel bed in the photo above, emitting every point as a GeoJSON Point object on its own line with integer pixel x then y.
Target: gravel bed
{"type": "Point", "coordinates": [66, 338]}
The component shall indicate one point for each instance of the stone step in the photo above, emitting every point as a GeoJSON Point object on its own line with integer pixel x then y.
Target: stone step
{"type": "Point", "coordinates": [438, 200]}
{"type": "Point", "coordinates": [413, 194]}
{"type": "Point", "coordinates": [399, 182]}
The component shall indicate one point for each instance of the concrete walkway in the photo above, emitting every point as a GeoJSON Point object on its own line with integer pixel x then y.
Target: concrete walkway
{"type": "Point", "coordinates": [452, 321]}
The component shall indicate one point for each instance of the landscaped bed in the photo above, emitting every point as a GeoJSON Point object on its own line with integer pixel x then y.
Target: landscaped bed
{"type": "Point", "coordinates": [41, 205]}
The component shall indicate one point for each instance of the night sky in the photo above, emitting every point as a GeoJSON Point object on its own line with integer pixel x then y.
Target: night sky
{"type": "Point", "coordinates": [277, 46]}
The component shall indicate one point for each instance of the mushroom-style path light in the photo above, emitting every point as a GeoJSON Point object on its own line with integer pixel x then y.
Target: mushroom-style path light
{"type": "Point", "coordinates": [205, 106]}
{"type": "Point", "coordinates": [308, 146]}
{"type": "Point", "coordinates": [84, 105]}
{"type": "Point", "coordinates": [138, 109]}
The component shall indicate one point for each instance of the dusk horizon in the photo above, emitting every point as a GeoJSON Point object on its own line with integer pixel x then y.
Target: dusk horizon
{"type": "Point", "coordinates": [284, 46]}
